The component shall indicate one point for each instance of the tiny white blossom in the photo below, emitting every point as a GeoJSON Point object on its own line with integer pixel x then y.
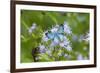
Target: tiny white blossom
{"type": "Point", "coordinates": [56, 41]}
{"type": "Point", "coordinates": [37, 58]}
{"type": "Point", "coordinates": [45, 38]}
{"type": "Point", "coordinates": [67, 56]}
{"type": "Point", "coordinates": [53, 44]}
{"type": "Point", "coordinates": [42, 47]}
{"type": "Point", "coordinates": [80, 57]}
{"type": "Point", "coordinates": [54, 29]}
{"type": "Point", "coordinates": [81, 38]}
{"type": "Point", "coordinates": [64, 43]}
{"type": "Point", "coordinates": [61, 44]}
{"type": "Point", "coordinates": [75, 37]}
{"type": "Point", "coordinates": [69, 48]}
{"type": "Point", "coordinates": [48, 52]}
{"type": "Point", "coordinates": [84, 37]}
{"type": "Point", "coordinates": [31, 29]}
{"type": "Point", "coordinates": [67, 29]}
{"type": "Point", "coordinates": [87, 37]}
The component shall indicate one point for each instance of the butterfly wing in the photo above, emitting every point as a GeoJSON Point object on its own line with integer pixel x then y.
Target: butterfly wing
{"type": "Point", "coordinates": [61, 32]}
{"type": "Point", "coordinates": [61, 36]}
{"type": "Point", "coordinates": [61, 29]}
{"type": "Point", "coordinates": [50, 35]}
{"type": "Point", "coordinates": [56, 38]}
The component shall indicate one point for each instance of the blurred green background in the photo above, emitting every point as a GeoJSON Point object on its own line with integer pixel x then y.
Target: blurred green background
{"type": "Point", "coordinates": [78, 22]}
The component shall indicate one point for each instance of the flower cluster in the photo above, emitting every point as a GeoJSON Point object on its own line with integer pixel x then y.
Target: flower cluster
{"type": "Point", "coordinates": [67, 29]}
{"type": "Point", "coordinates": [32, 28]}
{"type": "Point", "coordinates": [56, 39]}
{"type": "Point", "coordinates": [58, 36]}
{"type": "Point", "coordinates": [81, 38]}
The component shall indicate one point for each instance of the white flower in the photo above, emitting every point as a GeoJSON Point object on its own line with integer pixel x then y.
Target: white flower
{"type": "Point", "coordinates": [67, 29]}
{"type": "Point", "coordinates": [87, 37]}
{"type": "Point", "coordinates": [32, 28]}
{"type": "Point", "coordinates": [69, 48]}
{"type": "Point", "coordinates": [84, 37]}
{"type": "Point", "coordinates": [45, 38]}
{"type": "Point", "coordinates": [81, 38]}
{"type": "Point", "coordinates": [53, 44]}
{"type": "Point", "coordinates": [42, 49]}
{"type": "Point", "coordinates": [48, 52]}
{"type": "Point", "coordinates": [64, 43]}
{"type": "Point", "coordinates": [59, 54]}
{"type": "Point", "coordinates": [54, 29]}
{"type": "Point", "coordinates": [57, 38]}
{"type": "Point", "coordinates": [67, 56]}
{"type": "Point", "coordinates": [80, 57]}
{"type": "Point", "coordinates": [75, 37]}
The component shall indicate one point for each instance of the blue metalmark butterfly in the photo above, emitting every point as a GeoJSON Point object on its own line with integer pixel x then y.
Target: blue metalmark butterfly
{"type": "Point", "coordinates": [56, 34]}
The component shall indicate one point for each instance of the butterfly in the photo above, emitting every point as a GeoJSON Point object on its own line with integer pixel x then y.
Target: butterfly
{"type": "Point", "coordinates": [56, 34]}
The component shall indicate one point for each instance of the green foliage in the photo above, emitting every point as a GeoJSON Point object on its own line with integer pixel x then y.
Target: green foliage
{"type": "Point", "coordinates": [45, 20]}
